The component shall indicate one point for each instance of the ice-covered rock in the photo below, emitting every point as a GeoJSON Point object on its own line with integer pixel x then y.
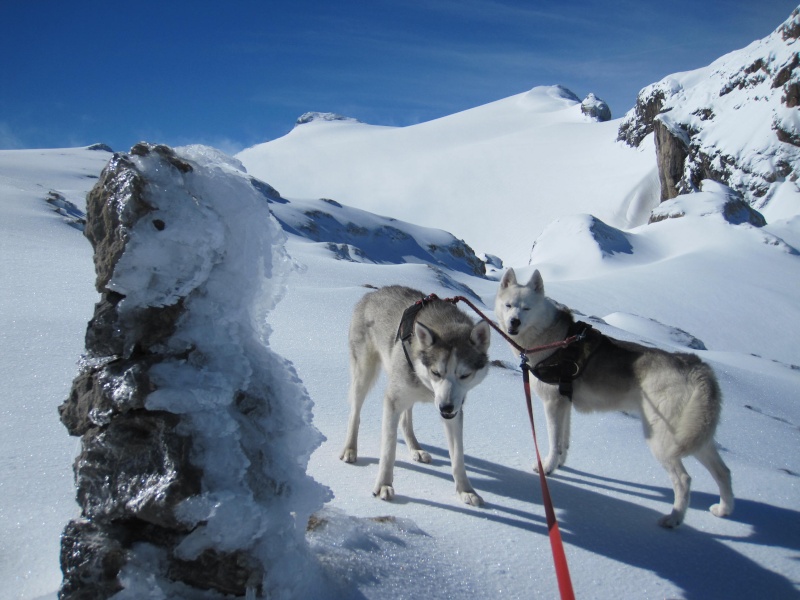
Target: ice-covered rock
{"type": "Point", "coordinates": [195, 435]}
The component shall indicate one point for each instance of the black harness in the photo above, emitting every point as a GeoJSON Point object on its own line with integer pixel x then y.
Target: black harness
{"type": "Point", "coordinates": [566, 364]}
{"type": "Point", "coordinates": [406, 328]}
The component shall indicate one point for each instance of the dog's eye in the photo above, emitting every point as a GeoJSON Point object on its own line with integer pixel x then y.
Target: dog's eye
{"type": "Point", "coordinates": [436, 374]}
{"type": "Point", "coordinates": [526, 308]}
{"type": "Point", "coordinates": [465, 376]}
{"type": "Point", "coordinates": [508, 305]}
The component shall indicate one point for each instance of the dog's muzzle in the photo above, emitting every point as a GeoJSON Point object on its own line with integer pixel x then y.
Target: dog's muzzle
{"type": "Point", "coordinates": [448, 412]}
{"type": "Point", "coordinates": [513, 326]}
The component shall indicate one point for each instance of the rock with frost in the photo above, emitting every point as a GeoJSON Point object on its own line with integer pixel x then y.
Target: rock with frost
{"type": "Point", "coordinates": [194, 435]}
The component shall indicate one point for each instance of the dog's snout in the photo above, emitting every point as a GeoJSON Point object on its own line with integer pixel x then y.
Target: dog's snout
{"type": "Point", "coordinates": [448, 411]}
{"type": "Point", "coordinates": [513, 324]}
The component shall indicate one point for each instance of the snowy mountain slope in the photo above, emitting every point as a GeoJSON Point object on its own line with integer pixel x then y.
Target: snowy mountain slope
{"type": "Point", "coordinates": [685, 280]}
{"type": "Point", "coordinates": [524, 160]}
{"type": "Point", "coordinates": [534, 157]}
{"type": "Point", "coordinates": [46, 297]}
{"type": "Point", "coordinates": [353, 234]}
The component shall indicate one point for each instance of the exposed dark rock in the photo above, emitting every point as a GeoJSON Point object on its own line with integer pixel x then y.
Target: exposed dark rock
{"type": "Point", "coordinates": [110, 218]}
{"type": "Point", "coordinates": [639, 125]}
{"type": "Point", "coordinates": [595, 108]}
{"type": "Point", "coordinates": [135, 468]}
{"type": "Point", "coordinates": [790, 30]}
{"type": "Point", "coordinates": [671, 153]}
{"type": "Point", "coordinates": [91, 557]}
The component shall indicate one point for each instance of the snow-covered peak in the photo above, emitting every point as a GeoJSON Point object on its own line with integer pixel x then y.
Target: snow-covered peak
{"type": "Point", "coordinates": [324, 117]}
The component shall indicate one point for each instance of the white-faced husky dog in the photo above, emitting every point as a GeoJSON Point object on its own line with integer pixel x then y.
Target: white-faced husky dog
{"type": "Point", "coordinates": [676, 394]}
{"type": "Point", "coordinates": [437, 354]}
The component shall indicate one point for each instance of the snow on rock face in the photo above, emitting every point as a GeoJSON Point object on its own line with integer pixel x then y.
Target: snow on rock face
{"type": "Point", "coordinates": [595, 108]}
{"type": "Point", "coordinates": [323, 116]}
{"type": "Point", "coordinates": [714, 198]}
{"type": "Point", "coordinates": [195, 435]}
{"type": "Point", "coordinates": [735, 121]}
{"type": "Point", "coordinates": [359, 236]}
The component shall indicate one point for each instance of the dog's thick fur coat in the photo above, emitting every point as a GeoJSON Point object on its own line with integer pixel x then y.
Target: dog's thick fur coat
{"type": "Point", "coordinates": [445, 357]}
{"type": "Point", "coordinates": [676, 394]}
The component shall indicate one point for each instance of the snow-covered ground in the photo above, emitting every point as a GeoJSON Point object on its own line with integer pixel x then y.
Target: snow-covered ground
{"type": "Point", "coordinates": [733, 287]}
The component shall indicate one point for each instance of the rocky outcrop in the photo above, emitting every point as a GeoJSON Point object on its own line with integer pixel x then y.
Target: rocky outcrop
{"type": "Point", "coordinates": [672, 148]}
{"type": "Point", "coordinates": [714, 200]}
{"type": "Point", "coordinates": [639, 122]}
{"type": "Point", "coordinates": [194, 437]}
{"type": "Point", "coordinates": [595, 108]}
{"type": "Point", "coordinates": [323, 116]}
{"type": "Point", "coordinates": [734, 121]}
{"type": "Point", "coordinates": [356, 235]}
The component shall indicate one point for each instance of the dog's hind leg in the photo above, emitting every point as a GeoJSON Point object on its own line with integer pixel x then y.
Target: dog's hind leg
{"type": "Point", "coordinates": [455, 441]}
{"type": "Point", "coordinates": [709, 457]}
{"type": "Point", "coordinates": [681, 484]}
{"type": "Point", "coordinates": [414, 449]}
{"type": "Point", "coordinates": [364, 365]}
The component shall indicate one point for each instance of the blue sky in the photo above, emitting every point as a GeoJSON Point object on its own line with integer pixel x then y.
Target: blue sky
{"type": "Point", "coordinates": [233, 74]}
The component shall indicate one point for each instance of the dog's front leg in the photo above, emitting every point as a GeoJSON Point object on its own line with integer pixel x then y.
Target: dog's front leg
{"type": "Point", "coordinates": [414, 449]}
{"type": "Point", "coordinates": [455, 440]}
{"type": "Point", "coordinates": [557, 412]}
{"type": "Point", "coordinates": [391, 418]}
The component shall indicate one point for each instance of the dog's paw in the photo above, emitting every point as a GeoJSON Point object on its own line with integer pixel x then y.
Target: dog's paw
{"type": "Point", "coordinates": [672, 520]}
{"type": "Point", "coordinates": [420, 456]}
{"type": "Point", "coordinates": [718, 510]}
{"type": "Point", "coordinates": [548, 466]}
{"type": "Point", "coordinates": [384, 492]}
{"type": "Point", "coordinates": [471, 498]}
{"type": "Point", "coordinates": [348, 455]}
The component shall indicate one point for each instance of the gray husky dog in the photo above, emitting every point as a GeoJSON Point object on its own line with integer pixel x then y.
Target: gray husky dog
{"type": "Point", "coordinates": [676, 394]}
{"type": "Point", "coordinates": [433, 353]}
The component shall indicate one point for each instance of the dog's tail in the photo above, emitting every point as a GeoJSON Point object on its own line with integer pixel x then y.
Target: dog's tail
{"type": "Point", "coordinates": [700, 414]}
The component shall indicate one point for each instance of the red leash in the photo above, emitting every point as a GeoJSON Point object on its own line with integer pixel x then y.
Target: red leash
{"type": "Point", "coordinates": [556, 545]}
{"type": "Point", "coordinates": [554, 533]}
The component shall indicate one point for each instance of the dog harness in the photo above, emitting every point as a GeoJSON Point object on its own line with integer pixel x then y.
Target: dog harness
{"type": "Point", "coordinates": [566, 364]}
{"type": "Point", "coordinates": [406, 328]}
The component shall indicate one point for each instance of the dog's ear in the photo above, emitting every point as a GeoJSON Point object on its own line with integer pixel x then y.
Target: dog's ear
{"type": "Point", "coordinates": [481, 335]}
{"type": "Point", "coordinates": [536, 282]}
{"type": "Point", "coordinates": [425, 336]}
{"type": "Point", "coordinates": [509, 278]}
